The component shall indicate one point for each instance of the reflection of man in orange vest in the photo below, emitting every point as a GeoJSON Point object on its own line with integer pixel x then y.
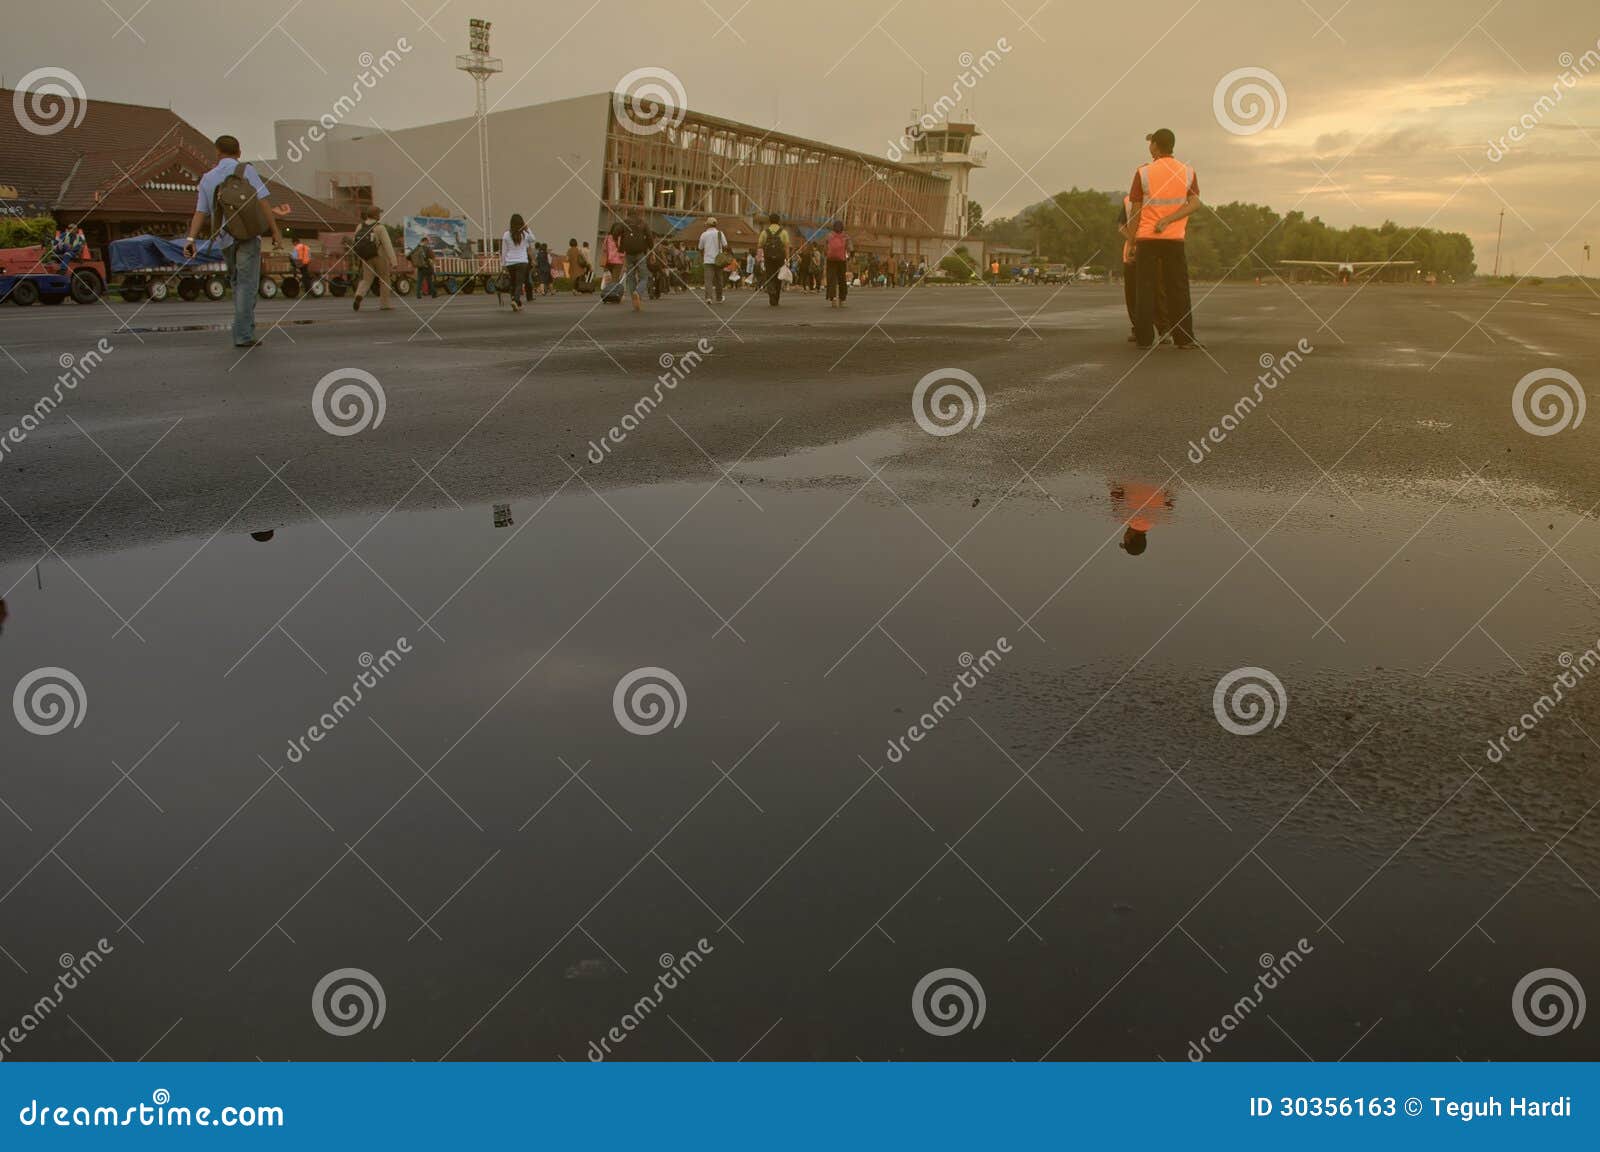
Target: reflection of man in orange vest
{"type": "Point", "coordinates": [1164, 193]}
{"type": "Point", "coordinates": [302, 260]}
{"type": "Point", "coordinates": [1139, 507]}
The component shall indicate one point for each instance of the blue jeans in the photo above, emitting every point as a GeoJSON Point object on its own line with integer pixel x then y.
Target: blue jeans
{"type": "Point", "coordinates": [244, 273]}
{"type": "Point", "coordinates": [636, 279]}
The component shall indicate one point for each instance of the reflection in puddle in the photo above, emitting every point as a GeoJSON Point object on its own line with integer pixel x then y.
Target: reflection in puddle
{"type": "Point", "coordinates": [492, 763]}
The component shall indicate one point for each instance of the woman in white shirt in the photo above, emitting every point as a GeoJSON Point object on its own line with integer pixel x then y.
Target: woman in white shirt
{"type": "Point", "coordinates": [516, 248]}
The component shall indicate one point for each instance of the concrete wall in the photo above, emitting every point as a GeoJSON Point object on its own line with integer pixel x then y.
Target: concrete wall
{"type": "Point", "coordinates": [530, 151]}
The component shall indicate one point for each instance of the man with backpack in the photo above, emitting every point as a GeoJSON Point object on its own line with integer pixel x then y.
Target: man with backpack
{"type": "Point", "coordinates": [636, 244]}
{"type": "Point", "coordinates": [375, 251]}
{"type": "Point", "coordinates": [774, 256]}
{"type": "Point", "coordinates": [232, 195]}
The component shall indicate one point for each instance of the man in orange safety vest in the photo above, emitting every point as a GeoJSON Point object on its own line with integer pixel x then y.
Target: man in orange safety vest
{"type": "Point", "coordinates": [1164, 194]}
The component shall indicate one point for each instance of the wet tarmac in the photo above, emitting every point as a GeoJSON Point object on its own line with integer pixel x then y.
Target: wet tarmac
{"type": "Point", "coordinates": [926, 702]}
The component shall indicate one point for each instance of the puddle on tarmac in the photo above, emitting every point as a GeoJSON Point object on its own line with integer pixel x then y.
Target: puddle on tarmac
{"type": "Point", "coordinates": [263, 329]}
{"type": "Point", "coordinates": [810, 626]}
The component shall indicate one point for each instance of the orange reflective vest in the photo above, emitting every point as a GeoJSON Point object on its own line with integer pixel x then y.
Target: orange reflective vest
{"type": "Point", "coordinates": [302, 253]}
{"type": "Point", "coordinates": [1165, 183]}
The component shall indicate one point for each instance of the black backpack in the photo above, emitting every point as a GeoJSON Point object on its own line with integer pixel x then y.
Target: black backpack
{"type": "Point", "coordinates": [636, 241]}
{"type": "Point", "coordinates": [235, 209]}
{"type": "Point", "coordinates": [366, 245]}
{"type": "Point", "coordinates": [772, 245]}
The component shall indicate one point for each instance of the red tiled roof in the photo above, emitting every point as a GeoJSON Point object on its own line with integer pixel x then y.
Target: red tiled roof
{"type": "Point", "coordinates": [130, 159]}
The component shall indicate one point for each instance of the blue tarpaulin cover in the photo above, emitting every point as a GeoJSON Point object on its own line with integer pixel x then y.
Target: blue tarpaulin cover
{"type": "Point", "coordinates": [138, 252]}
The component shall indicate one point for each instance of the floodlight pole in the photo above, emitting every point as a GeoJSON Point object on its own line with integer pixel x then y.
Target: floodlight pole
{"type": "Point", "coordinates": [480, 65]}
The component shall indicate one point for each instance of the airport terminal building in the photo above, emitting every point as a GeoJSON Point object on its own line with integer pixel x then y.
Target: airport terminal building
{"type": "Point", "coordinates": [571, 167]}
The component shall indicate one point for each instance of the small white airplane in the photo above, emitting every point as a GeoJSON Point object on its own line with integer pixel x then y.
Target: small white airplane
{"type": "Point", "coordinates": [1343, 270]}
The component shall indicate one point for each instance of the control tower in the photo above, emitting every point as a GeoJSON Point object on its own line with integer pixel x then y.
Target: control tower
{"type": "Point", "coordinates": [946, 149]}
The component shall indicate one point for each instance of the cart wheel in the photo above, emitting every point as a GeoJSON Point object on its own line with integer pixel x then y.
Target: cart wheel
{"type": "Point", "coordinates": [291, 287]}
{"type": "Point", "coordinates": [215, 288]}
{"type": "Point", "coordinates": [86, 285]}
{"type": "Point", "coordinates": [188, 289]}
{"type": "Point", "coordinates": [469, 285]}
{"type": "Point", "coordinates": [158, 290]}
{"type": "Point", "coordinates": [132, 290]}
{"type": "Point", "coordinates": [319, 288]}
{"type": "Point", "coordinates": [451, 285]}
{"type": "Point", "coordinates": [338, 288]}
{"type": "Point", "coordinates": [402, 285]}
{"type": "Point", "coordinates": [268, 289]}
{"type": "Point", "coordinates": [24, 293]}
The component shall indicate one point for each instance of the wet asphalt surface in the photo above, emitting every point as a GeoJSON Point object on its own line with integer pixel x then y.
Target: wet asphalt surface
{"type": "Point", "coordinates": [1079, 833]}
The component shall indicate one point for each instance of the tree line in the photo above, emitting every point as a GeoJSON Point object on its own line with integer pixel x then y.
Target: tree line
{"type": "Point", "coordinates": [1234, 240]}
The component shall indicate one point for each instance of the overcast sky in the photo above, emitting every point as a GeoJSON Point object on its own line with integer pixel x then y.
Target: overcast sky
{"type": "Point", "coordinates": [1389, 108]}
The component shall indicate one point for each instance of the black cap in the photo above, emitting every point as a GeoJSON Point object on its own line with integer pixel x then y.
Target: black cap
{"type": "Point", "coordinates": [1163, 139]}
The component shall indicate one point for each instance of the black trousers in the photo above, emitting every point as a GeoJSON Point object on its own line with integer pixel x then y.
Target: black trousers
{"type": "Point", "coordinates": [838, 279]}
{"type": "Point", "coordinates": [1130, 297]}
{"type": "Point", "coordinates": [774, 285]}
{"type": "Point", "coordinates": [1162, 267]}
